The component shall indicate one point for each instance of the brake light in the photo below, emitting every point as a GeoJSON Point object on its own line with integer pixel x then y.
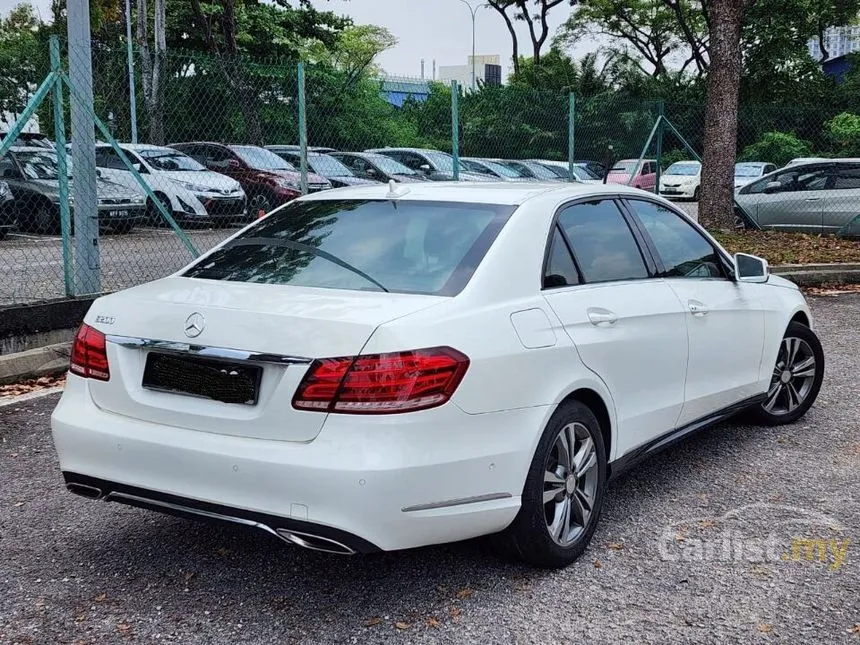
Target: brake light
{"type": "Point", "coordinates": [89, 354]}
{"type": "Point", "coordinates": [382, 383]}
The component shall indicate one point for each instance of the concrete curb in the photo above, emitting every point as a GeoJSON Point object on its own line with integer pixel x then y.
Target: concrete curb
{"type": "Point", "coordinates": [815, 275]}
{"type": "Point", "coordinates": [33, 363]}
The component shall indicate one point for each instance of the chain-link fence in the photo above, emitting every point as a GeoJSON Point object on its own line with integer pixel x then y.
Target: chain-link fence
{"type": "Point", "coordinates": [199, 145]}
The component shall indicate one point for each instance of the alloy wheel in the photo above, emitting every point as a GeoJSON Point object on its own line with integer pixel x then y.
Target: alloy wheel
{"type": "Point", "coordinates": [793, 377]}
{"type": "Point", "coordinates": [570, 484]}
{"type": "Point", "coordinates": [259, 203]}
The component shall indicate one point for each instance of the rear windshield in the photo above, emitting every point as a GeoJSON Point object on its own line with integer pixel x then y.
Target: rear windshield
{"type": "Point", "coordinates": [380, 245]}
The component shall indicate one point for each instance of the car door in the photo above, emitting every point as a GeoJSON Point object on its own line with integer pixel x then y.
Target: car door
{"type": "Point", "coordinates": [797, 204]}
{"type": "Point", "coordinates": [628, 326]}
{"type": "Point", "coordinates": [842, 198]}
{"type": "Point", "coordinates": [725, 322]}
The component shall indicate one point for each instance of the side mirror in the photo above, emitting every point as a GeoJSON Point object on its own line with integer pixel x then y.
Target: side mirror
{"type": "Point", "coordinates": [750, 268]}
{"type": "Point", "coordinates": [233, 164]}
{"type": "Point", "coordinates": [425, 167]}
{"type": "Point", "coordinates": [370, 171]}
{"type": "Point", "coordinates": [773, 187]}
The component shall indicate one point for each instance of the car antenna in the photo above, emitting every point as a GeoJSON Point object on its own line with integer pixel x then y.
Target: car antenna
{"type": "Point", "coordinates": [395, 190]}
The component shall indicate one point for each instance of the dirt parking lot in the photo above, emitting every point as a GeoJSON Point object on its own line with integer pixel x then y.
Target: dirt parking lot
{"type": "Point", "coordinates": [741, 534]}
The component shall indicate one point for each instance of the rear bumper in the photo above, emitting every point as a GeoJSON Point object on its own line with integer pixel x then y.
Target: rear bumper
{"type": "Point", "coordinates": [387, 483]}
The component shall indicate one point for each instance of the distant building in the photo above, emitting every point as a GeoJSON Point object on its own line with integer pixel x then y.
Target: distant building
{"type": "Point", "coordinates": [398, 90]}
{"type": "Point", "coordinates": [488, 71]}
{"type": "Point", "coordinates": [838, 41]}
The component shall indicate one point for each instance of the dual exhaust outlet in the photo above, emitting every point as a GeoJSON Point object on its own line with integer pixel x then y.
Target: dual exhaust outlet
{"type": "Point", "coordinates": [301, 539]}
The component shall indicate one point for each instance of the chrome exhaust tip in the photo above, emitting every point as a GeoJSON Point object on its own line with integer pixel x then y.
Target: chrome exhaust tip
{"type": "Point", "coordinates": [314, 542]}
{"type": "Point", "coordinates": [90, 492]}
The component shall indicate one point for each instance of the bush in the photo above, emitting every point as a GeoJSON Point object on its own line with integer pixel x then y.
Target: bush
{"type": "Point", "coordinates": [776, 147]}
{"type": "Point", "coordinates": [844, 131]}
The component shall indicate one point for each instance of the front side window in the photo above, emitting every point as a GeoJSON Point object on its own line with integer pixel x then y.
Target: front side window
{"type": "Point", "coordinates": [602, 242]}
{"type": "Point", "coordinates": [108, 158]}
{"type": "Point", "coordinates": [260, 158]}
{"type": "Point", "coordinates": [402, 247]}
{"type": "Point", "coordinates": [170, 160]}
{"type": "Point", "coordinates": [794, 180]}
{"type": "Point", "coordinates": [685, 252]}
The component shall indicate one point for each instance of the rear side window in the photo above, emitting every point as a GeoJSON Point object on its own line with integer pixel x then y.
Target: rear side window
{"type": "Point", "coordinates": [560, 268]}
{"type": "Point", "coordinates": [603, 244]}
{"type": "Point", "coordinates": [402, 247]}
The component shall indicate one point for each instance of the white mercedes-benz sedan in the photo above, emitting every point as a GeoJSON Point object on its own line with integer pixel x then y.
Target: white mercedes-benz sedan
{"type": "Point", "coordinates": [385, 367]}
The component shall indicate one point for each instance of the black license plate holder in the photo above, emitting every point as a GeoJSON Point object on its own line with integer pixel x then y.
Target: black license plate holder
{"type": "Point", "coordinates": [206, 378]}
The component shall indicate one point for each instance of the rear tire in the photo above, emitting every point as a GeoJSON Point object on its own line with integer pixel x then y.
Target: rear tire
{"type": "Point", "coordinates": [153, 214]}
{"type": "Point", "coordinates": [563, 493]}
{"type": "Point", "coordinates": [796, 380]}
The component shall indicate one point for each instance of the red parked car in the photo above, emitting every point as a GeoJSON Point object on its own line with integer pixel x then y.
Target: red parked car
{"type": "Point", "coordinates": [267, 180]}
{"type": "Point", "coordinates": [644, 174]}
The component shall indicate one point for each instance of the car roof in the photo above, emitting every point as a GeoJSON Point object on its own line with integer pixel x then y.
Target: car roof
{"type": "Point", "coordinates": [421, 150]}
{"type": "Point", "coordinates": [506, 193]}
{"type": "Point", "coordinates": [134, 146]}
{"type": "Point", "coordinates": [753, 163]}
{"type": "Point", "coordinates": [692, 161]}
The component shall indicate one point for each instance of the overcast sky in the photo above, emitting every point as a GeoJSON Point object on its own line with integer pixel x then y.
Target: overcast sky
{"type": "Point", "coordinates": [429, 29]}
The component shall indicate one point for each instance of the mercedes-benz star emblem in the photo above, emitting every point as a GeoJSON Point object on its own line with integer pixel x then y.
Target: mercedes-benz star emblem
{"type": "Point", "coordinates": [194, 325]}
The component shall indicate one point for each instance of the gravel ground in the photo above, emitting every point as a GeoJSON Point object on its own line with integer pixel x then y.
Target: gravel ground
{"type": "Point", "coordinates": [694, 546]}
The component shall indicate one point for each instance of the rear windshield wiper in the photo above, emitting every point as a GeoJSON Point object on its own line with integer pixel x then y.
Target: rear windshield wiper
{"type": "Point", "coordinates": [298, 246]}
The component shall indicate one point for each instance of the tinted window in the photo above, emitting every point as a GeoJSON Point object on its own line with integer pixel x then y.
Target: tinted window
{"type": "Point", "coordinates": [847, 178]}
{"type": "Point", "coordinates": [260, 158]}
{"type": "Point", "coordinates": [796, 179]}
{"type": "Point", "coordinates": [602, 242]}
{"type": "Point", "coordinates": [108, 158]}
{"type": "Point", "coordinates": [560, 269]}
{"type": "Point", "coordinates": [684, 251]}
{"type": "Point", "coordinates": [406, 246]}
{"type": "Point", "coordinates": [171, 160]}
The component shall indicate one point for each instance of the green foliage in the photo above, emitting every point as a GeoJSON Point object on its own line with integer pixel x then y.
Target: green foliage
{"type": "Point", "coordinates": [23, 57]}
{"type": "Point", "coordinates": [844, 131]}
{"type": "Point", "coordinates": [673, 156]}
{"type": "Point", "coordinates": [777, 147]}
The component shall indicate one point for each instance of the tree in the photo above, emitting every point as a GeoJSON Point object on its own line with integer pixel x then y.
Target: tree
{"type": "Point", "coordinates": [721, 115]}
{"type": "Point", "coordinates": [646, 26]}
{"type": "Point", "coordinates": [776, 147]}
{"type": "Point", "coordinates": [22, 57]}
{"type": "Point", "coordinates": [152, 65]}
{"type": "Point", "coordinates": [535, 13]}
{"type": "Point", "coordinates": [844, 131]}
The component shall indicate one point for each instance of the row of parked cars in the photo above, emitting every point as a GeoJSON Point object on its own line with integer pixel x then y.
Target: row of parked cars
{"type": "Point", "coordinates": [215, 184]}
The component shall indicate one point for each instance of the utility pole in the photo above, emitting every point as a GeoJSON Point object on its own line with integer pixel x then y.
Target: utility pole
{"type": "Point", "coordinates": [132, 95]}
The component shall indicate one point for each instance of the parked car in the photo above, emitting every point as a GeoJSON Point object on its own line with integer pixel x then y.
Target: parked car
{"type": "Point", "coordinates": [643, 173]}
{"type": "Point", "coordinates": [531, 170]}
{"type": "Point", "coordinates": [8, 218]}
{"type": "Point", "coordinates": [371, 165]}
{"type": "Point", "coordinates": [594, 167]}
{"type": "Point", "coordinates": [434, 164]}
{"type": "Point", "coordinates": [818, 197]}
{"type": "Point", "coordinates": [324, 165]}
{"type": "Point", "coordinates": [36, 139]}
{"type": "Point", "coordinates": [32, 174]}
{"type": "Point", "coordinates": [562, 170]}
{"type": "Point", "coordinates": [493, 169]}
{"type": "Point", "coordinates": [191, 193]}
{"type": "Point", "coordinates": [747, 172]}
{"type": "Point", "coordinates": [268, 180]}
{"type": "Point", "coordinates": [365, 371]}
{"type": "Point", "coordinates": [803, 160]}
{"type": "Point", "coordinates": [682, 180]}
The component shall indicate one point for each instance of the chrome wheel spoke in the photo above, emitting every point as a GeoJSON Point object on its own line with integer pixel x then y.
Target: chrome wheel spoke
{"type": "Point", "coordinates": [585, 457]}
{"type": "Point", "coordinates": [552, 477]}
{"type": "Point", "coordinates": [772, 396]}
{"type": "Point", "coordinates": [791, 347]}
{"type": "Point", "coordinates": [578, 512]}
{"type": "Point", "coordinates": [793, 396]}
{"type": "Point", "coordinates": [804, 369]}
{"type": "Point", "coordinates": [564, 446]}
{"type": "Point", "coordinates": [561, 521]}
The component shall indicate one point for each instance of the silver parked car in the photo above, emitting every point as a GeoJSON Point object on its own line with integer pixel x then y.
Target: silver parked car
{"type": "Point", "coordinates": [818, 197]}
{"type": "Point", "coordinates": [746, 172]}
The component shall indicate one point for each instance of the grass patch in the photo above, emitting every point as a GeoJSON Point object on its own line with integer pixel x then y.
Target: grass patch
{"type": "Point", "coordinates": [790, 248]}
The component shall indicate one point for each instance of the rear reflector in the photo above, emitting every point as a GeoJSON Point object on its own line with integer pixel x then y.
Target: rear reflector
{"type": "Point", "coordinates": [89, 354]}
{"type": "Point", "coordinates": [382, 383]}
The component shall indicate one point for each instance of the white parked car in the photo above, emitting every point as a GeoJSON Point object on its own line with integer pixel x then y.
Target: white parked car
{"type": "Point", "coordinates": [190, 192]}
{"type": "Point", "coordinates": [747, 172]}
{"type": "Point", "coordinates": [682, 180]}
{"type": "Point", "coordinates": [385, 367]}
{"type": "Point", "coordinates": [562, 170]}
{"type": "Point", "coordinates": [803, 160]}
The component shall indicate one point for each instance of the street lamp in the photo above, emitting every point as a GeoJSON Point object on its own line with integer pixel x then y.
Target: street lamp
{"type": "Point", "coordinates": [473, 11]}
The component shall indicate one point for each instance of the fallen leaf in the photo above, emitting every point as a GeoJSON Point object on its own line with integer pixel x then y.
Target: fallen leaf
{"type": "Point", "coordinates": [706, 524]}
{"type": "Point", "coordinates": [124, 628]}
{"type": "Point", "coordinates": [454, 612]}
{"type": "Point", "coordinates": [765, 628]}
{"type": "Point", "coordinates": [189, 576]}
{"type": "Point", "coordinates": [221, 551]}
{"type": "Point", "coordinates": [370, 622]}
{"type": "Point", "coordinates": [615, 546]}
{"type": "Point", "coordinates": [432, 621]}
{"type": "Point", "coordinates": [401, 625]}
{"type": "Point", "coordinates": [597, 564]}
{"type": "Point", "coordinates": [101, 597]}
{"type": "Point", "coordinates": [679, 537]}
{"type": "Point", "coordinates": [464, 593]}
{"type": "Point", "coordinates": [19, 504]}
{"type": "Point", "coordinates": [855, 630]}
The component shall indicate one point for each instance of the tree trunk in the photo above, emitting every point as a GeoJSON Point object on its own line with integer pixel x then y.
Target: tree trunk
{"type": "Point", "coordinates": [156, 116]}
{"type": "Point", "coordinates": [142, 39]}
{"type": "Point", "coordinates": [501, 9]}
{"type": "Point", "coordinates": [721, 119]}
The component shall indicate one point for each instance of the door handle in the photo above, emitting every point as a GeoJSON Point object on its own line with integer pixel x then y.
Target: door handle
{"type": "Point", "coordinates": [698, 308]}
{"type": "Point", "coordinates": [601, 317]}
{"type": "Point", "coordinates": [813, 199]}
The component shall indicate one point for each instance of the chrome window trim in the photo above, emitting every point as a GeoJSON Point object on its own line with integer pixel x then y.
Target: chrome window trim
{"type": "Point", "coordinates": [206, 351]}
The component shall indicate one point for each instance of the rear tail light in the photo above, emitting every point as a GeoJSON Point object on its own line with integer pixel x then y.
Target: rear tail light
{"type": "Point", "coordinates": [382, 383]}
{"type": "Point", "coordinates": [89, 354]}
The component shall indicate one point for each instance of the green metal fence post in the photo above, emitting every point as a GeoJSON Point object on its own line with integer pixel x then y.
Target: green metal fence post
{"type": "Point", "coordinates": [570, 135]}
{"type": "Point", "coordinates": [303, 130]}
{"type": "Point", "coordinates": [661, 117]}
{"type": "Point", "coordinates": [455, 128]}
{"type": "Point", "coordinates": [32, 105]}
{"type": "Point", "coordinates": [62, 169]}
